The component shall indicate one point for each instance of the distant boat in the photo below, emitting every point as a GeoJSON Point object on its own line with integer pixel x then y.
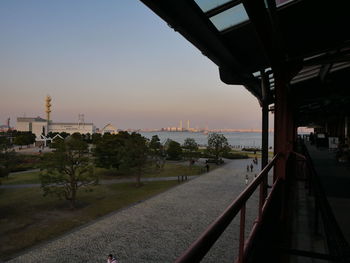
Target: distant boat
{"type": "Point", "coordinates": [205, 132]}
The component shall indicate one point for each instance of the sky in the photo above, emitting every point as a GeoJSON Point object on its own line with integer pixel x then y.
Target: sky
{"type": "Point", "coordinates": [114, 61]}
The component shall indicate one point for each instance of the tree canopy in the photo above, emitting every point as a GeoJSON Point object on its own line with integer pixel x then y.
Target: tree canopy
{"type": "Point", "coordinates": [217, 145]}
{"type": "Point", "coordinates": [154, 144]}
{"type": "Point", "coordinates": [135, 154]}
{"type": "Point", "coordinates": [191, 147]}
{"type": "Point", "coordinates": [156, 151]}
{"type": "Point", "coordinates": [122, 150]}
{"type": "Point", "coordinates": [67, 169]}
{"type": "Point", "coordinates": [174, 150]}
{"type": "Point", "coordinates": [24, 138]}
{"type": "Point", "coordinates": [8, 158]}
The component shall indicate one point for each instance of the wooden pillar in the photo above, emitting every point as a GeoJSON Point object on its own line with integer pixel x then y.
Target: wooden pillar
{"type": "Point", "coordinates": [284, 131]}
{"type": "Point", "coordinates": [264, 137]}
{"type": "Point", "coordinates": [265, 120]}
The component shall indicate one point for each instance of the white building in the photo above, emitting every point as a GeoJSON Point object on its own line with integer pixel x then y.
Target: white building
{"type": "Point", "coordinates": [71, 128]}
{"type": "Point", "coordinates": [109, 128]}
{"type": "Point", "coordinates": [36, 125]}
{"type": "Point", "coordinates": [39, 126]}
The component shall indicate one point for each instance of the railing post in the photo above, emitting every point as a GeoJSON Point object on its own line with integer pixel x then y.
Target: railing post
{"type": "Point", "coordinates": [261, 199]}
{"type": "Point", "coordinates": [241, 235]}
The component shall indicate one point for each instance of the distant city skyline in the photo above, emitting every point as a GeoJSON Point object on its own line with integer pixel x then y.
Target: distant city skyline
{"type": "Point", "coordinates": [115, 62]}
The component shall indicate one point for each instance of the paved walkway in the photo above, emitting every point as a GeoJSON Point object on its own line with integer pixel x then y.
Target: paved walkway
{"type": "Point", "coordinates": [158, 229]}
{"type": "Point", "coordinates": [24, 172]}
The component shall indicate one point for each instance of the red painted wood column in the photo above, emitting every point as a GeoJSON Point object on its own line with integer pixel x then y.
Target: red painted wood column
{"type": "Point", "coordinates": [284, 131]}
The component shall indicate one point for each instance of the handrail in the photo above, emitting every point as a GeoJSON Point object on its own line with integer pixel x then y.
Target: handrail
{"type": "Point", "coordinates": [250, 239]}
{"type": "Point", "coordinates": [202, 245]}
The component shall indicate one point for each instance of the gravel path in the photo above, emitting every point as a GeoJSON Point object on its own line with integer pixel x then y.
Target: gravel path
{"type": "Point", "coordinates": [158, 229]}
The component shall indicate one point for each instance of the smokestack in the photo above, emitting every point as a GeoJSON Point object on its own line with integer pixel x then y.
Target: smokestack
{"type": "Point", "coordinates": [8, 122]}
{"type": "Point", "coordinates": [48, 107]}
{"type": "Point", "coordinates": [48, 111]}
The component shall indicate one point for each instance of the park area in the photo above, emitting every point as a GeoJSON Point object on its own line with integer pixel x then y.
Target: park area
{"type": "Point", "coordinates": [48, 192]}
{"type": "Point", "coordinates": [27, 218]}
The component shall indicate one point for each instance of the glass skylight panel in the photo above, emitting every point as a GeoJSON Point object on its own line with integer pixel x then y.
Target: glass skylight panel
{"type": "Point", "coordinates": [230, 17]}
{"type": "Point", "coordinates": [207, 5]}
{"type": "Point", "coordinates": [256, 74]}
{"type": "Point", "coordinates": [282, 2]}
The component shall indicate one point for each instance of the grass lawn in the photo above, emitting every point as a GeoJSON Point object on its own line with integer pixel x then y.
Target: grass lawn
{"type": "Point", "coordinates": [251, 154]}
{"type": "Point", "coordinates": [170, 169]}
{"type": "Point", "coordinates": [27, 218]}
{"type": "Point", "coordinates": [22, 178]}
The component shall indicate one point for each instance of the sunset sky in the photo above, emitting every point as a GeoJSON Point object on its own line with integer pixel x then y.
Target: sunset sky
{"type": "Point", "coordinates": [114, 61]}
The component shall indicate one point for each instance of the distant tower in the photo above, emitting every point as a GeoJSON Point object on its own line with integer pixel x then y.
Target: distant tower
{"type": "Point", "coordinates": [48, 107]}
{"type": "Point", "coordinates": [81, 119]}
{"type": "Point", "coordinates": [8, 122]}
{"type": "Point", "coordinates": [188, 124]}
{"type": "Point", "coordinates": [180, 125]}
{"type": "Point", "coordinates": [48, 111]}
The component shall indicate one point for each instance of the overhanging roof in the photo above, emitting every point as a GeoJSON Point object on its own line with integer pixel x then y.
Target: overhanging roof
{"type": "Point", "coordinates": [243, 38]}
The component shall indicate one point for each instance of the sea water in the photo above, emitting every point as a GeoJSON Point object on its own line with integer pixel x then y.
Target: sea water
{"type": "Point", "coordinates": [235, 139]}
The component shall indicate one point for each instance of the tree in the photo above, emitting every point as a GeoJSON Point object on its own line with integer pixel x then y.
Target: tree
{"type": "Point", "coordinates": [96, 137]}
{"type": "Point", "coordinates": [217, 145]}
{"type": "Point", "coordinates": [124, 151]}
{"type": "Point", "coordinates": [191, 147]}
{"type": "Point", "coordinates": [8, 158]}
{"type": "Point", "coordinates": [174, 150]}
{"type": "Point", "coordinates": [156, 151]}
{"type": "Point", "coordinates": [67, 169]}
{"type": "Point", "coordinates": [155, 144]}
{"type": "Point", "coordinates": [24, 138]}
{"type": "Point", "coordinates": [135, 154]}
{"type": "Point", "coordinates": [109, 151]}
{"type": "Point", "coordinates": [87, 137]}
{"type": "Point", "coordinates": [52, 134]}
{"type": "Point", "coordinates": [64, 134]}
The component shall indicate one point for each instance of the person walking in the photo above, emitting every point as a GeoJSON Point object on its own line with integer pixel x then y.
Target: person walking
{"type": "Point", "coordinates": [247, 167]}
{"type": "Point", "coordinates": [111, 259]}
{"type": "Point", "coordinates": [207, 167]}
{"type": "Point", "coordinates": [251, 167]}
{"type": "Point", "coordinates": [246, 179]}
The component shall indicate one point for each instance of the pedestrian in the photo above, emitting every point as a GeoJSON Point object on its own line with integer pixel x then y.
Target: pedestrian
{"type": "Point", "coordinates": [207, 167]}
{"type": "Point", "coordinates": [246, 179]}
{"type": "Point", "coordinates": [256, 160]}
{"type": "Point", "coordinates": [251, 167]}
{"type": "Point", "coordinates": [111, 259]}
{"type": "Point", "coordinates": [247, 167]}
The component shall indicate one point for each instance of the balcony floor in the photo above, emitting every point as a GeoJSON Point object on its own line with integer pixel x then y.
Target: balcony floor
{"type": "Point", "coordinates": [335, 179]}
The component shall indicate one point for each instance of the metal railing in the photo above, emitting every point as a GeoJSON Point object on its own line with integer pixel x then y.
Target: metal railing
{"type": "Point", "coordinates": [198, 249]}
